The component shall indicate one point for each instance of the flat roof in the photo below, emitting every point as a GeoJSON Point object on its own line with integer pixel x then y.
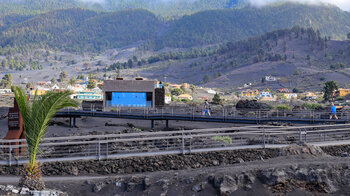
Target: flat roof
{"type": "Point", "coordinates": [129, 85]}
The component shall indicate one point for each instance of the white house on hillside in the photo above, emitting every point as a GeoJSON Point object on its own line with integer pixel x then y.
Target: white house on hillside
{"type": "Point", "coordinates": [270, 79]}
{"type": "Point", "coordinates": [55, 87]}
{"type": "Point", "coordinates": [167, 99]}
{"type": "Point", "coordinates": [211, 91]}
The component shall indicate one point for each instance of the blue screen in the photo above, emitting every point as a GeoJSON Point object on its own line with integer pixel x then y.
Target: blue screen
{"type": "Point", "coordinates": [129, 99]}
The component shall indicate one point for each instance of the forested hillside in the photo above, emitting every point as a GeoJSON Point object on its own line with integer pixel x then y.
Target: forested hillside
{"type": "Point", "coordinates": [166, 8]}
{"type": "Point", "coordinates": [173, 8]}
{"type": "Point", "coordinates": [115, 29]}
{"type": "Point", "coordinates": [46, 30]}
{"type": "Point", "coordinates": [215, 26]}
{"type": "Point", "coordinates": [34, 7]}
{"type": "Point", "coordinates": [80, 30]}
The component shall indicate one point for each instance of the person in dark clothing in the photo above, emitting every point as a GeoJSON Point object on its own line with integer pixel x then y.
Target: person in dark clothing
{"type": "Point", "coordinates": [206, 108]}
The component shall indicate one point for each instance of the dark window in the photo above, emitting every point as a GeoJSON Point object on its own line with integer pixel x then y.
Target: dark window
{"type": "Point", "coordinates": [109, 96]}
{"type": "Point", "coordinates": [148, 96]}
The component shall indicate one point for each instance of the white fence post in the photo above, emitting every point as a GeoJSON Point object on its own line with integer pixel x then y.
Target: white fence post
{"type": "Point", "coordinates": [99, 149]}
{"type": "Point", "coordinates": [10, 155]}
{"type": "Point", "coordinates": [183, 143]}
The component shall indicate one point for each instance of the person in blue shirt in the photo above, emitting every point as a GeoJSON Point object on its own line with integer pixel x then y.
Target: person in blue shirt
{"type": "Point", "coordinates": [333, 112]}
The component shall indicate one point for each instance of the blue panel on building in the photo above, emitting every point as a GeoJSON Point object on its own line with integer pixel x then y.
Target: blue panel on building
{"type": "Point", "coordinates": [122, 99]}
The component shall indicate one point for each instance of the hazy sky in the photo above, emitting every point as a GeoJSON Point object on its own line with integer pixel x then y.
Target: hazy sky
{"type": "Point", "coordinates": [343, 4]}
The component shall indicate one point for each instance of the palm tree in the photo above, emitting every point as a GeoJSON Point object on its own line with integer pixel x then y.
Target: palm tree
{"type": "Point", "coordinates": [36, 117]}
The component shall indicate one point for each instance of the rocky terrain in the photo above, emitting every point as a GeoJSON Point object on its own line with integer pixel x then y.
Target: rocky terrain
{"type": "Point", "coordinates": [296, 170]}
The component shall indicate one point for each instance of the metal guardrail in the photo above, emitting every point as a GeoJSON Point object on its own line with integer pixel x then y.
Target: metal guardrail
{"type": "Point", "coordinates": [224, 112]}
{"type": "Point", "coordinates": [97, 147]}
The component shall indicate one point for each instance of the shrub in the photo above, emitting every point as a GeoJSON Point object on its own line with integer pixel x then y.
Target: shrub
{"type": "Point", "coordinates": [312, 106]}
{"type": "Point", "coordinates": [224, 139]}
{"type": "Point", "coordinates": [185, 100]}
{"type": "Point", "coordinates": [283, 107]}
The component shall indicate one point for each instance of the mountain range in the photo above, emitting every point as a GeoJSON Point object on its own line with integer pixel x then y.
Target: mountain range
{"type": "Point", "coordinates": [80, 30]}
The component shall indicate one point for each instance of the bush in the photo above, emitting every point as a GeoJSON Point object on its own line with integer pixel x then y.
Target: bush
{"type": "Point", "coordinates": [339, 98]}
{"type": "Point", "coordinates": [185, 100]}
{"type": "Point", "coordinates": [224, 139]}
{"type": "Point", "coordinates": [312, 106]}
{"type": "Point", "coordinates": [283, 107]}
{"type": "Point", "coordinates": [177, 91]}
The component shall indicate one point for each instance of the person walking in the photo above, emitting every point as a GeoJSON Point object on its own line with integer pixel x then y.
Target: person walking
{"type": "Point", "coordinates": [206, 108]}
{"type": "Point", "coordinates": [333, 112]}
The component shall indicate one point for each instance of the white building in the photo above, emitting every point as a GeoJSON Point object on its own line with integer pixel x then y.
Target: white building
{"type": "Point", "coordinates": [167, 99]}
{"type": "Point", "coordinates": [291, 95]}
{"type": "Point", "coordinates": [265, 94]}
{"type": "Point", "coordinates": [55, 87]}
{"type": "Point", "coordinates": [5, 91]}
{"type": "Point", "coordinates": [211, 91]}
{"type": "Point", "coordinates": [270, 79]}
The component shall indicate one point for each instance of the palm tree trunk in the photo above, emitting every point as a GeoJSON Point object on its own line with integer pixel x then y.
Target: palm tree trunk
{"type": "Point", "coordinates": [32, 177]}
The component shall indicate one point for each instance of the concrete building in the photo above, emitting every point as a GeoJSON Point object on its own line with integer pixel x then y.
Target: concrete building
{"type": "Point", "coordinates": [265, 94]}
{"type": "Point", "coordinates": [133, 93]}
{"type": "Point", "coordinates": [342, 92]}
{"type": "Point", "coordinates": [250, 93]}
{"type": "Point", "coordinates": [211, 91]}
{"type": "Point", "coordinates": [290, 95]}
{"type": "Point", "coordinates": [185, 96]}
{"type": "Point", "coordinates": [87, 95]}
{"type": "Point", "coordinates": [270, 79]}
{"type": "Point", "coordinates": [167, 99]}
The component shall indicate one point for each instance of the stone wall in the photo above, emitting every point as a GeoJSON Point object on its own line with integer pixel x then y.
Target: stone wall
{"type": "Point", "coordinates": [148, 164]}
{"type": "Point", "coordinates": [160, 163]}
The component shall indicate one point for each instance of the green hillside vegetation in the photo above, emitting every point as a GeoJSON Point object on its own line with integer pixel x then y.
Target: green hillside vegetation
{"type": "Point", "coordinates": [34, 7]}
{"type": "Point", "coordinates": [46, 30]}
{"type": "Point", "coordinates": [215, 26]}
{"type": "Point", "coordinates": [80, 30]}
{"type": "Point", "coordinates": [159, 7]}
{"type": "Point", "coordinates": [171, 9]}
{"type": "Point", "coordinates": [115, 29]}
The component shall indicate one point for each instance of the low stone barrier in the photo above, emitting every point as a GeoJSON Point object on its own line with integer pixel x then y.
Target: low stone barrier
{"type": "Point", "coordinates": [147, 164]}
{"type": "Point", "coordinates": [160, 163]}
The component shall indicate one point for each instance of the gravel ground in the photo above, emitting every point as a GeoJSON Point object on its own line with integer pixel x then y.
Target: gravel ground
{"type": "Point", "coordinates": [182, 182]}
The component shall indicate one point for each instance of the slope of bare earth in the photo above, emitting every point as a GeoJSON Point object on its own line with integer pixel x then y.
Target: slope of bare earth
{"type": "Point", "coordinates": [235, 68]}
{"type": "Point", "coordinates": [302, 64]}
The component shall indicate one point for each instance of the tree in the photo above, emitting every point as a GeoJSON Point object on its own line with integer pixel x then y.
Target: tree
{"type": "Point", "coordinates": [217, 99]}
{"type": "Point", "coordinates": [29, 86]}
{"type": "Point", "coordinates": [176, 91]}
{"type": "Point", "coordinates": [348, 35]}
{"type": "Point", "coordinates": [206, 79]}
{"type": "Point", "coordinates": [6, 81]}
{"type": "Point", "coordinates": [36, 118]}
{"type": "Point", "coordinates": [295, 90]}
{"type": "Point", "coordinates": [328, 89]}
{"type": "Point", "coordinates": [72, 81]}
{"type": "Point", "coordinates": [53, 81]}
{"type": "Point", "coordinates": [63, 76]}
{"type": "Point", "coordinates": [91, 84]}
{"type": "Point", "coordinates": [130, 63]}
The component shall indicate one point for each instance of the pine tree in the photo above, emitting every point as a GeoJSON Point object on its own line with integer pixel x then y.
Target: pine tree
{"type": "Point", "coordinates": [217, 99]}
{"type": "Point", "coordinates": [328, 89]}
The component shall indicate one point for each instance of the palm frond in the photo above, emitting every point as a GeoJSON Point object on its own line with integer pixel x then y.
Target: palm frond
{"type": "Point", "coordinates": [37, 116]}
